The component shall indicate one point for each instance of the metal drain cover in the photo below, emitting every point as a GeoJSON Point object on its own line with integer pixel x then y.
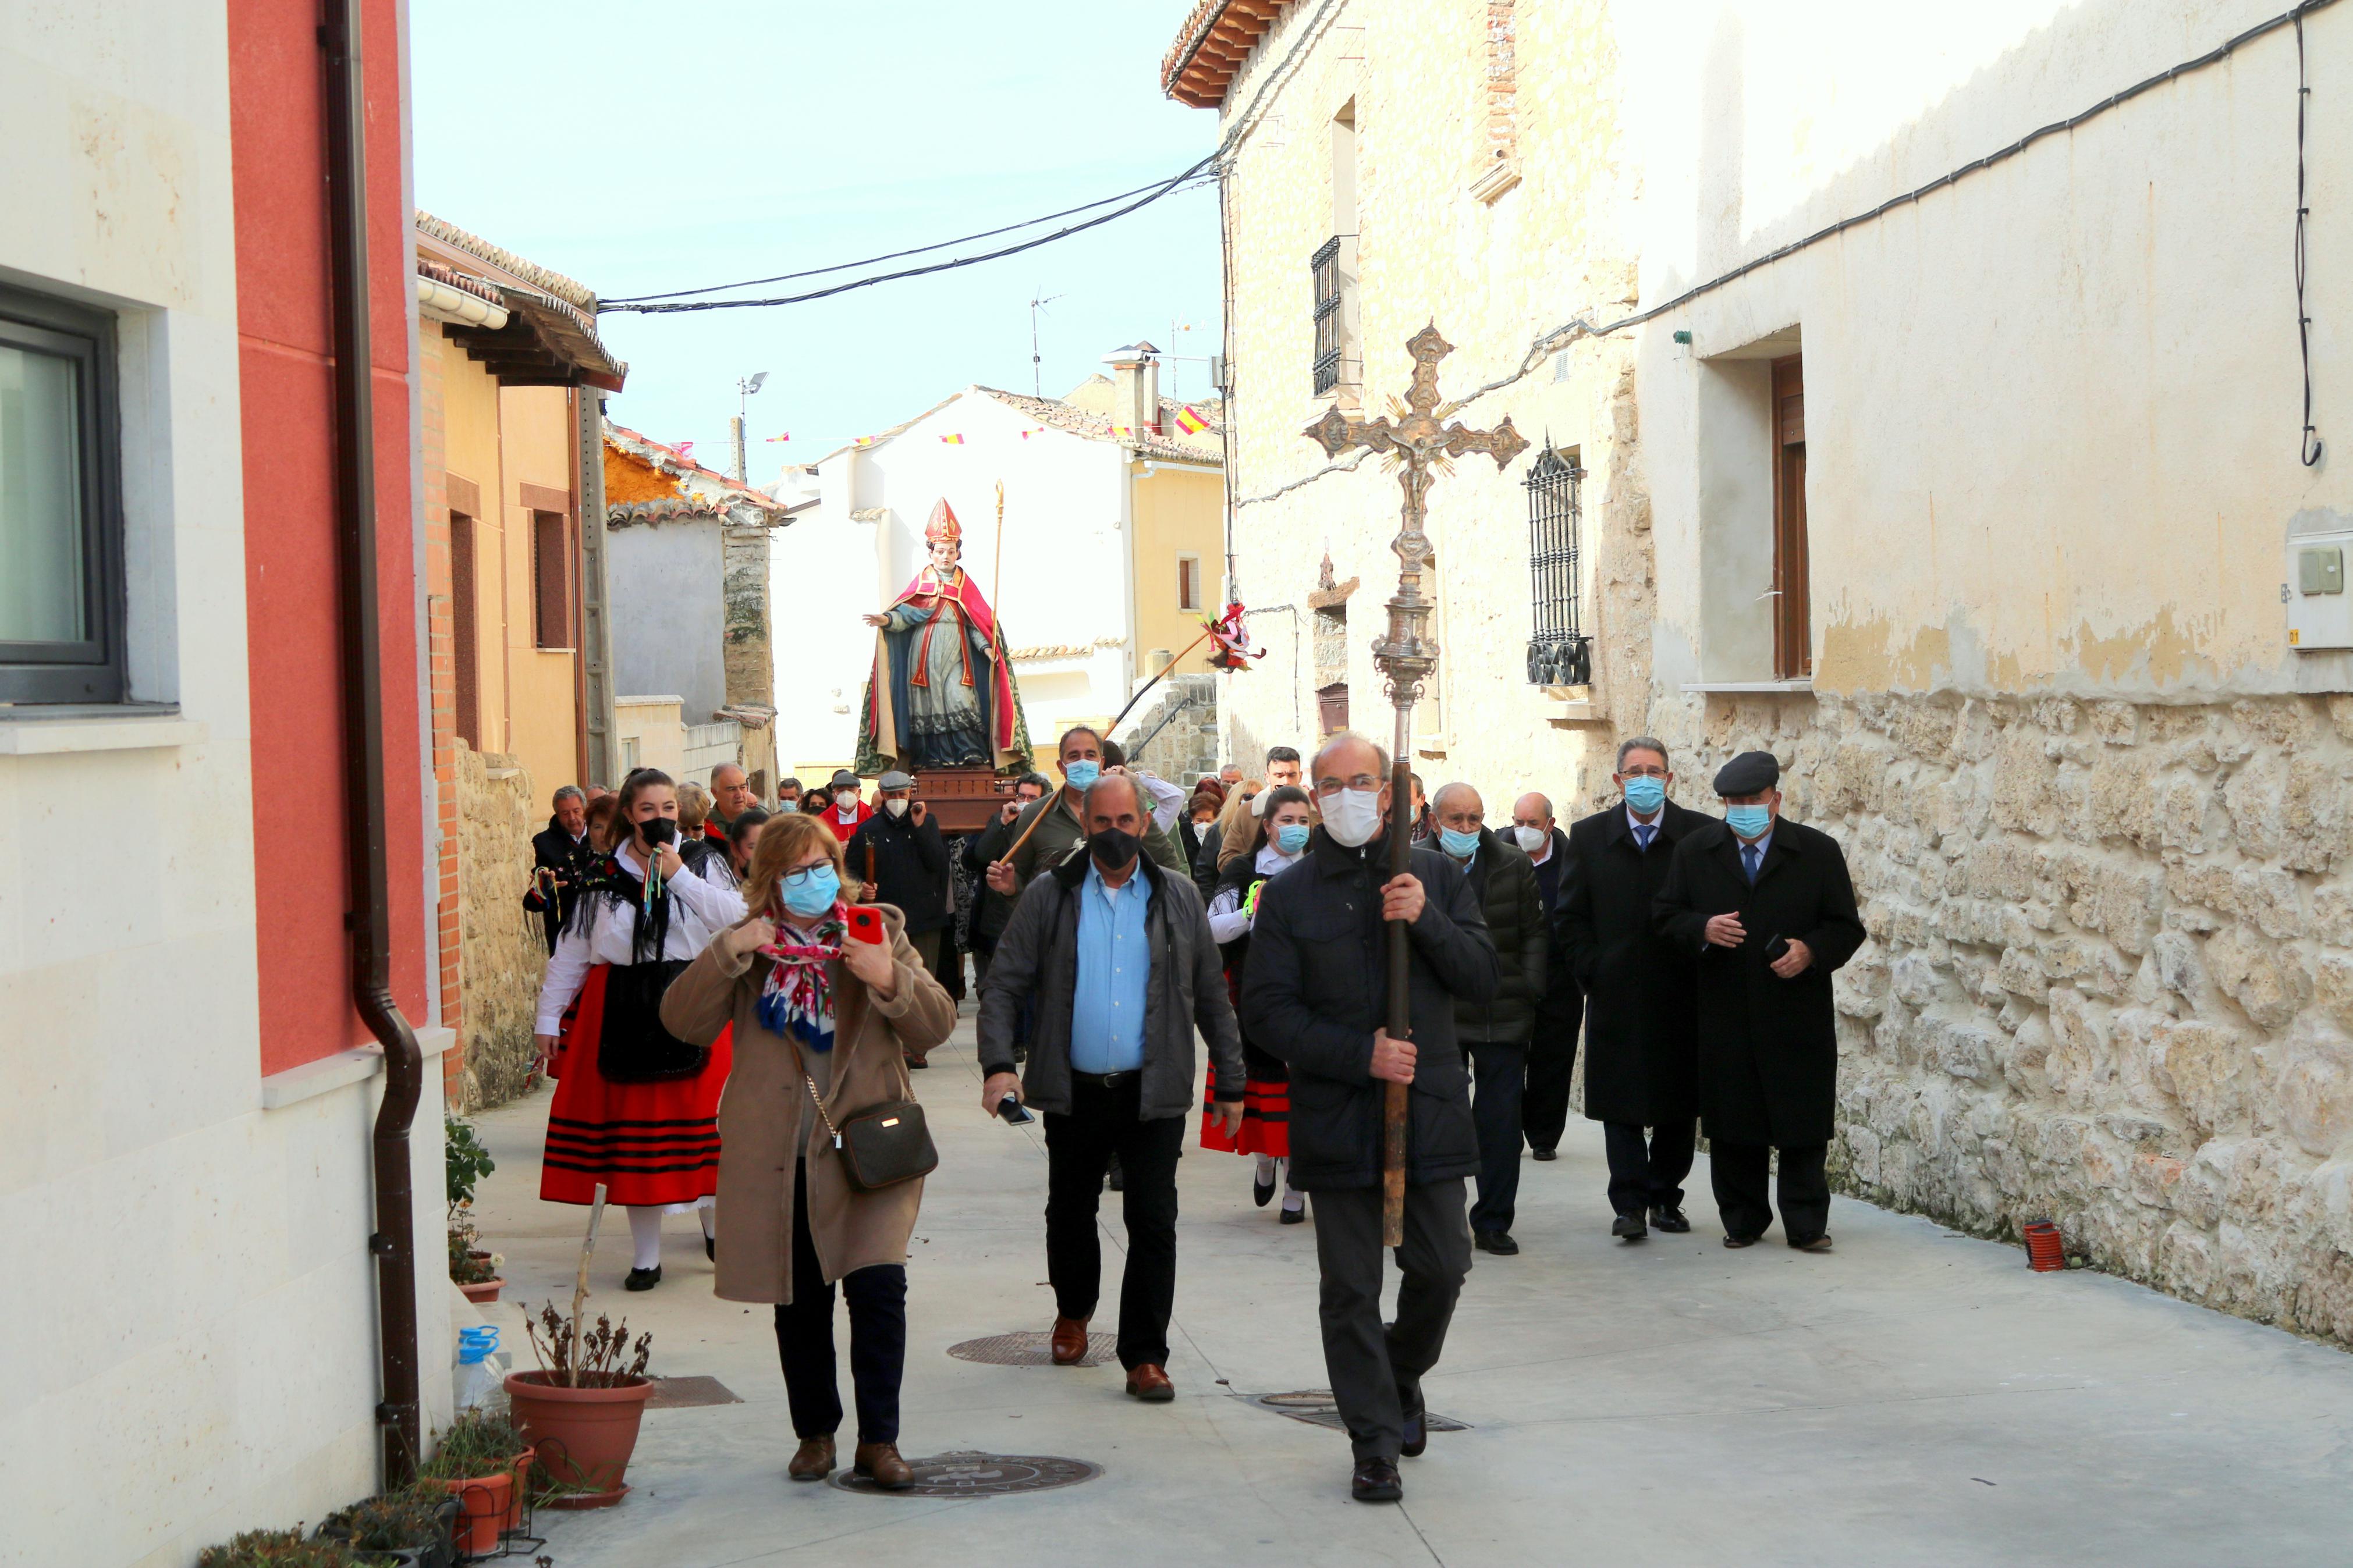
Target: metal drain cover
{"type": "Point", "coordinates": [963, 1475]}
{"type": "Point", "coordinates": [683, 1392]}
{"type": "Point", "coordinates": [1031, 1350]}
{"type": "Point", "coordinates": [1318, 1408]}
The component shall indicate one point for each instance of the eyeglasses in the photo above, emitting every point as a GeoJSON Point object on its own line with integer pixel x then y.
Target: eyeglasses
{"type": "Point", "coordinates": [1334, 787]}
{"type": "Point", "coordinates": [806, 875]}
{"type": "Point", "coordinates": [1646, 774]}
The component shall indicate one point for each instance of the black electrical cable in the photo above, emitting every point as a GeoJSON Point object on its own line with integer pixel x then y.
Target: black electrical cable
{"type": "Point", "coordinates": [1178, 182]}
{"type": "Point", "coordinates": [2309, 444]}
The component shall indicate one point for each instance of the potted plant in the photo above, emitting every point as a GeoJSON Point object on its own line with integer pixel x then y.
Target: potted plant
{"type": "Point", "coordinates": [480, 1460]}
{"type": "Point", "coordinates": [473, 1270]}
{"type": "Point", "coordinates": [580, 1411]}
{"type": "Point", "coordinates": [289, 1549]}
{"type": "Point", "coordinates": [415, 1525]}
{"type": "Point", "coordinates": [464, 1163]}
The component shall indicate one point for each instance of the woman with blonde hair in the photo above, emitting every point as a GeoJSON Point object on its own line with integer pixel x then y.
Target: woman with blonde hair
{"type": "Point", "coordinates": [823, 1024]}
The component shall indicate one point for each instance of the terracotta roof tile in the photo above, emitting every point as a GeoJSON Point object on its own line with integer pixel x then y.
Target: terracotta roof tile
{"type": "Point", "coordinates": [1211, 46]}
{"type": "Point", "coordinates": [732, 501]}
{"type": "Point", "coordinates": [570, 291]}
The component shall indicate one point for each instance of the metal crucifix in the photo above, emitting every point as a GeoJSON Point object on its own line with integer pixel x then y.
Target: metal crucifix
{"type": "Point", "coordinates": [1411, 439]}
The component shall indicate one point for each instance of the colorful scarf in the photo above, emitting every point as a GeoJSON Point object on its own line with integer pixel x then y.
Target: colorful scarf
{"type": "Point", "coordinates": [799, 992]}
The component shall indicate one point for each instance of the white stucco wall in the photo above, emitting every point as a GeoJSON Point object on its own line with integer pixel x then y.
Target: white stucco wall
{"type": "Point", "coordinates": [191, 1303]}
{"type": "Point", "coordinates": [667, 583]}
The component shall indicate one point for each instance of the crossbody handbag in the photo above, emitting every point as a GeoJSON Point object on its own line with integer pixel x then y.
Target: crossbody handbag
{"type": "Point", "coordinates": [879, 1147]}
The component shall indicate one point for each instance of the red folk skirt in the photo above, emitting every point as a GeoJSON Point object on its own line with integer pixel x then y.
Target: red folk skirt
{"type": "Point", "coordinates": [1266, 1108]}
{"type": "Point", "coordinates": [650, 1143]}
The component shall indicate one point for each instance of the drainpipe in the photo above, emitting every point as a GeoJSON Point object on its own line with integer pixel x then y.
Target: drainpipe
{"type": "Point", "coordinates": [394, 1241]}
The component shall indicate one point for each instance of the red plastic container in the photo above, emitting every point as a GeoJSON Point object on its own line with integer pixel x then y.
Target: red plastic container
{"type": "Point", "coordinates": [2046, 1249]}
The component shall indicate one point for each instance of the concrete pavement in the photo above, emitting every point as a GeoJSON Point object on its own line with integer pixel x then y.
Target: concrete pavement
{"type": "Point", "coordinates": [1915, 1397]}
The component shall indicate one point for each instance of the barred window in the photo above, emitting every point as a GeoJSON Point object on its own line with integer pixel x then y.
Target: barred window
{"type": "Point", "coordinates": [1560, 652]}
{"type": "Point", "coordinates": [1325, 266]}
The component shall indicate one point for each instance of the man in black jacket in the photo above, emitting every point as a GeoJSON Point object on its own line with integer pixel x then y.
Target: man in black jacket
{"type": "Point", "coordinates": [1641, 1053]}
{"type": "Point", "coordinates": [1768, 907]}
{"type": "Point", "coordinates": [1494, 1032]}
{"type": "Point", "coordinates": [900, 858]}
{"type": "Point", "coordinates": [991, 909]}
{"type": "Point", "coordinates": [1314, 990]}
{"type": "Point", "coordinates": [1560, 1011]}
{"type": "Point", "coordinates": [559, 857]}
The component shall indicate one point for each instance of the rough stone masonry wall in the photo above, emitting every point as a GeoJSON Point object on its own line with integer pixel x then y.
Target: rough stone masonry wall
{"type": "Point", "coordinates": [501, 951]}
{"type": "Point", "coordinates": [2110, 979]}
{"type": "Point", "coordinates": [1186, 747]}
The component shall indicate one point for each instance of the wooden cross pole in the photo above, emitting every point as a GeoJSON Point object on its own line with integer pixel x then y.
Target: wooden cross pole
{"type": "Point", "coordinates": [1413, 441]}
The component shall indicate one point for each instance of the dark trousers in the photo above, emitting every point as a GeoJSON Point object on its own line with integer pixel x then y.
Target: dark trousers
{"type": "Point", "coordinates": [1101, 1123]}
{"type": "Point", "coordinates": [1552, 1063]}
{"type": "Point", "coordinates": [878, 1338]}
{"type": "Point", "coordinates": [1739, 1171]}
{"type": "Point", "coordinates": [1647, 1174]}
{"type": "Point", "coordinates": [1498, 1088]}
{"type": "Point", "coordinates": [1376, 1373]}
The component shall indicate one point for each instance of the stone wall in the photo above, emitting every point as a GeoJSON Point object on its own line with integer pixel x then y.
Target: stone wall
{"type": "Point", "coordinates": [1186, 747]}
{"type": "Point", "coordinates": [2110, 978]}
{"type": "Point", "coordinates": [751, 668]}
{"type": "Point", "coordinates": [502, 954]}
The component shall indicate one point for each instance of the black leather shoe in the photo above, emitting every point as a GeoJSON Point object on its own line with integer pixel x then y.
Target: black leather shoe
{"type": "Point", "coordinates": [1417, 1434]}
{"type": "Point", "coordinates": [917, 1062]}
{"type": "Point", "coordinates": [1114, 1178]}
{"type": "Point", "coordinates": [1739, 1241]}
{"type": "Point", "coordinates": [642, 1279]}
{"type": "Point", "coordinates": [1629, 1227]}
{"type": "Point", "coordinates": [711, 1249]}
{"type": "Point", "coordinates": [1498, 1242]}
{"type": "Point", "coordinates": [1375, 1480]}
{"type": "Point", "coordinates": [1262, 1189]}
{"type": "Point", "coordinates": [1295, 1216]}
{"type": "Point", "coordinates": [1546, 1153]}
{"type": "Point", "coordinates": [1668, 1219]}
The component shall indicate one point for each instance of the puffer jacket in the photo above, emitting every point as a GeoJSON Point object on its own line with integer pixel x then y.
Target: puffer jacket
{"type": "Point", "coordinates": [1503, 879]}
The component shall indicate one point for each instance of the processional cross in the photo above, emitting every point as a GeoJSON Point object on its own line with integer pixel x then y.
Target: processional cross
{"type": "Point", "coordinates": [1412, 439]}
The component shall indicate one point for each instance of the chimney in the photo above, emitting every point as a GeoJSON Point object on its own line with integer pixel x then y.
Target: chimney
{"type": "Point", "coordinates": [1136, 387]}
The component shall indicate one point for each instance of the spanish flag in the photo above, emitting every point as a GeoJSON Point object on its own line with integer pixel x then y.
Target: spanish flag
{"type": "Point", "coordinates": [952, 440]}
{"type": "Point", "coordinates": [1188, 420]}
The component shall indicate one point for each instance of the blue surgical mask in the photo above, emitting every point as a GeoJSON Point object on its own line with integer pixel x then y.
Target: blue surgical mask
{"type": "Point", "coordinates": [1291, 837]}
{"type": "Point", "coordinates": [1748, 821]}
{"type": "Point", "coordinates": [811, 891]}
{"type": "Point", "coordinates": [1081, 775]}
{"type": "Point", "coordinates": [1646, 794]}
{"type": "Point", "coordinates": [1457, 843]}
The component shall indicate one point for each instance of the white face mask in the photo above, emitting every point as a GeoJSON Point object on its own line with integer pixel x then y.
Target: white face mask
{"type": "Point", "coordinates": [896, 807]}
{"type": "Point", "coordinates": [846, 798]}
{"type": "Point", "coordinates": [1352, 817]}
{"type": "Point", "coordinates": [1531, 838]}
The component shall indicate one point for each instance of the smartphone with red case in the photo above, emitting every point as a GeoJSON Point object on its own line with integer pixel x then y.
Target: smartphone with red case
{"type": "Point", "coordinates": [865, 923]}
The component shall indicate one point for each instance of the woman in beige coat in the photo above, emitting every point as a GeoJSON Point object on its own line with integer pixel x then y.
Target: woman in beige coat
{"type": "Point", "coordinates": [815, 1016]}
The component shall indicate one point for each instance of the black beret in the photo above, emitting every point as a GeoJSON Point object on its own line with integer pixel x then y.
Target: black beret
{"type": "Point", "coordinates": [1750, 772]}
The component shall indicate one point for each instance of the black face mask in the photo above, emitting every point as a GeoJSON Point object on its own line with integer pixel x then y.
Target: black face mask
{"type": "Point", "coordinates": [1113, 848]}
{"type": "Point", "coordinates": [659, 830]}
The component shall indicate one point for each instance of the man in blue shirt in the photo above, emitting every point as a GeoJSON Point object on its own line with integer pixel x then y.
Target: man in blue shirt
{"type": "Point", "coordinates": [1116, 952]}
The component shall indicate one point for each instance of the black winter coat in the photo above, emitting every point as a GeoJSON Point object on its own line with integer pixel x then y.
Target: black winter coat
{"type": "Point", "coordinates": [1768, 1046]}
{"type": "Point", "coordinates": [1316, 988]}
{"type": "Point", "coordinates": [1503, 879]}
{"type": "Point", "coordinates": [1642, 1027]}
{"type": "Point", "coordinates": [990, 908]}
{"type": "Point", "coordinates": [553, 849]}
{"type": "Point", "coordinates": [911, 867]}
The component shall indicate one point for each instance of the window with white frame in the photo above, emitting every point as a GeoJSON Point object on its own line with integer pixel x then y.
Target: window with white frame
{"type": "Point", "coordinates": [1188, 582]}
{"type": "Point", "coordinates": [61, 634]}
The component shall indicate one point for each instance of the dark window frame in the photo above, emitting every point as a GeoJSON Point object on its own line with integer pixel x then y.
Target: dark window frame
{"type": "Point", "coordinates": [1560, 653]}
{"type": "Point", "coordinates": [551, 581]}
{"type": "Point", "coordinates": [91, 669]}
{"type": "Point", "coordinates": [1793, 619]}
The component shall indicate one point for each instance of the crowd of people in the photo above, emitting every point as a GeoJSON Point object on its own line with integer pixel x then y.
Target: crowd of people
{"type": "Point", "coordinates": [1120, 927]}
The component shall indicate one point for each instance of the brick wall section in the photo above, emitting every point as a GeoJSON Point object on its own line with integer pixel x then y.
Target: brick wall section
{"type": "Point", "coordinates": [441, 695]}
{"type": "Point", "coordinates": [505, 954]}
{"type": "Point", "coordinates": [1501, 88]}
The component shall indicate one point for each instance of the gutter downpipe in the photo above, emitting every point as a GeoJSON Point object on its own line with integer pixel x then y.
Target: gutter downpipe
{"type": "Point", "coordinates": [394, 1241]}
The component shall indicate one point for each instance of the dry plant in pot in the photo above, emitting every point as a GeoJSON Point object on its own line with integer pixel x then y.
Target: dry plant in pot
{"type": "Point", "coordinates": [473, 1269]}
{"type": "Point", "coordinates": [580, 1411]}
{"type": "Point", "coordinates": [479, 1460]}
{"type": "Point", "coordinates": [415, 1525]}
{"type": "Point", "coordinates": [289, 1549]}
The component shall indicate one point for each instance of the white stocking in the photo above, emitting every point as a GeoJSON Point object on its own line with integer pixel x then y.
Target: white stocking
{"type": "Point", "coordinates": [644, 1235]}
{"type": "Point", "coordinates": [1293, 1200]}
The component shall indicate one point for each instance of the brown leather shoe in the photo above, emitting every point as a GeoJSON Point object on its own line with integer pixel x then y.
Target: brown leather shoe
{"type": "Point", "coordinates": [1150, 1384]}
{"type": "Point", "coordinates": [881, 1463]}
{"type": "Point", "coordinates": [1069, 1340]}
{"type": "Point", "coordinates": [814, 1462]}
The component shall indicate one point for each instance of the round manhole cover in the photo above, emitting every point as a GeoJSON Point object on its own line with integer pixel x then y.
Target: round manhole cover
{"type": "Point", "coordinates": [976, 1476]}
{"type": "Point", "coordinates": [1318, 1408]}
{"type": "Point", "coordinates": [1031, 1350]}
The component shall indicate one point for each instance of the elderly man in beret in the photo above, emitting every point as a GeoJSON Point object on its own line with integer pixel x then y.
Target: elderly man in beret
{"type": "Point", "coordinates": [1766, 905]}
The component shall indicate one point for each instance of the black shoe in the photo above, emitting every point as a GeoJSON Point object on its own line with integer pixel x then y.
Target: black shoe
{"type": "Point", "coordinates": [711, 1249]}
{"type": "Point", "coordinates": [918, 1062]}
{"type": "Point", "coordinates": [1546, 1153]}
{"type": "Point", "coordinates": [642, 1279]}
{"type": "Point", "coordinates": [1262, 1189]}
{"type": "Point", "coordinates": [1375, 1480]}
{"type": "Point", "coordinates": [1114, 1178]}
{"type": "Point", "coordinates": [1295, 1216]}
{"type": "Point", "coordinates": [1417, 1434]}
{"type": "Point", "coordinates": [1668, 1219]}
{"type": "Point", "coordinates": [1498, 1242]}
{"type": "Point", "coordinates": [1737, 1241]}
{"type": "Point", "coordinates": [1630, 1227]}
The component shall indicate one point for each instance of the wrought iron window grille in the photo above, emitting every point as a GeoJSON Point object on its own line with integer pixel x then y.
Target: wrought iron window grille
{"type": "Point", "coordinates": [1560, 652]}
{"type": "Point", "coordinates": [1325, 266]}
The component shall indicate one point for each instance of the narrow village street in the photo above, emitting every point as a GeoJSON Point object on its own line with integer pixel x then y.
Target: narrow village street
{"type": "Point", "coordinates": [1916, 1397]}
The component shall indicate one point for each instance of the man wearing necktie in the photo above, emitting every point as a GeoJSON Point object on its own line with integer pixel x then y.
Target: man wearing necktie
{"type": "Point", "coordinates": [1768, 908]}
{"type": "Point", "coordinates": [1641, 1058]}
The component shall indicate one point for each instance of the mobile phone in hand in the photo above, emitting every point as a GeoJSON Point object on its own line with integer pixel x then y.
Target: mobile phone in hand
{"type": "Point", "coordinates": [1014, 1111]}
{"type": "Point", "coordinates": [1776, 950]}
{"type": "Point", "coordinates": [865, 923]}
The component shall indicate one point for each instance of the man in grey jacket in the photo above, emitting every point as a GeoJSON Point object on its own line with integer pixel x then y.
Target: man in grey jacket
{"type": "Point", "coordinates": [1117, 951]}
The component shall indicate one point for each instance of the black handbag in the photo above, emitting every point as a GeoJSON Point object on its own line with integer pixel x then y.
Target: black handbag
{"type": "Point", "coordinates": [879, 1147]}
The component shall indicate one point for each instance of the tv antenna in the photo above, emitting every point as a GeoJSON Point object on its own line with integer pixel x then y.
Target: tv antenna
{"type": "Point", "coordinates": [1036, 371]}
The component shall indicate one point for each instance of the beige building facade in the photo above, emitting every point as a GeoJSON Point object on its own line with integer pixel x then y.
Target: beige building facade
{"type": "Point", "coordinates": [1966, 475]}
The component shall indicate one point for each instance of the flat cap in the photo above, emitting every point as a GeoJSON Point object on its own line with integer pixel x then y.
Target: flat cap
{"type": "Point", "coordinates": [1750, 772]}
{"type": "Point", "coordinates": [895, 779]}
{"type": "Point", "coordinates": [844, 779]}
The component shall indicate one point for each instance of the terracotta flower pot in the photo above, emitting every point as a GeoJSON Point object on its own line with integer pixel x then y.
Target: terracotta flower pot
{"type": "Point", "coordinates": [484, 1292]}
{"type": "Point", "coordinates": [583, 1437]}
{"type": "Point", "coordinates": [484, 1506]}
{"type": "Point", "coordinates": [2046, 1248]}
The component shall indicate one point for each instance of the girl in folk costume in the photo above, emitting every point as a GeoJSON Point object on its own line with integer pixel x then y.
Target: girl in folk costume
{"type": "Point", "coordinates": [636, 1107]}
{"type": "Point", "coordinates": [940, 696]}
{"type": "Point", "coordinates": [1279, 839]}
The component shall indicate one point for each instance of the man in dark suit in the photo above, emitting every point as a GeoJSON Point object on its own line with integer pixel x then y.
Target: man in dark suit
{"type": "Point", "coordinates": [1314, 989]}
{"type": "Point", "coordinates": [1769, 907]}
{"type": "Point", "coordinates": [1560, 1011]}
{"type": "Point", "coordinates": [559, 856]}
{"type": "Point", "coordinates": [1642, 1054]}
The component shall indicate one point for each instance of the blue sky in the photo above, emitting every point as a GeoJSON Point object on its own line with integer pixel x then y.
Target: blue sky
{"type": "Point", "coordinates": [640, 148]}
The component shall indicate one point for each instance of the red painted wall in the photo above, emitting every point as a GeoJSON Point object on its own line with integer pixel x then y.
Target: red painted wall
{"type": "Point", "coordinates": [278, 129]}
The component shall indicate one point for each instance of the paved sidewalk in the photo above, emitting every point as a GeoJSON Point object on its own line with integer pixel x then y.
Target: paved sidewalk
{"type": "Point", "coordinates": [1917, 1398]}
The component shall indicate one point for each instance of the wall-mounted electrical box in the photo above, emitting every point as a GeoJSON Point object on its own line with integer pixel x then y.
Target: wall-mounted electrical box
{"type": "Point", "coordinates": [2319, 611]}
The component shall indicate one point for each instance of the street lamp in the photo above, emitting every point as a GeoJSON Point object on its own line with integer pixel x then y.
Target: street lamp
{"type": "Point", "coordinates": [744, 391]}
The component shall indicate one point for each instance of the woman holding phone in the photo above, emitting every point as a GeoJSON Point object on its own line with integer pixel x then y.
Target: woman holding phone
{"type": "Point", "coordinates": [826, 1001]}
{"type": "Point", "coordinates": [636, 1107]}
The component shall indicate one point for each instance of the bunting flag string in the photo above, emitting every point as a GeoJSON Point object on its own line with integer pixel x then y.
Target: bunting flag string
{"type": "Point", "coordinates": [1189, 420]}
{"type": "Point", "coordinates": [952, 440]}
{"type": "Point", "coordinates": [786, 437]}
